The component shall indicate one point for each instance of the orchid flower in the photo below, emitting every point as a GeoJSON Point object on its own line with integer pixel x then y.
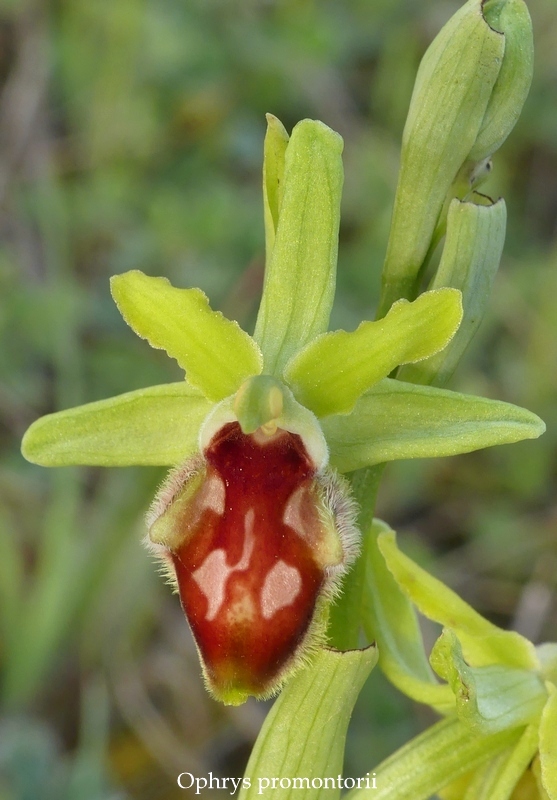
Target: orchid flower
{"type": "Point", "coordinates": [255, 523]}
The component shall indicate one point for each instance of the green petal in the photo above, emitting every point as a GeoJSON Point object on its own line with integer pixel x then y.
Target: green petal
{"type": "Point", "coordinates": [158, 426]}
{"type": "Point", "coordinates": [395, 420]}
{"type": "Point", "coordinates": [471, 255]}
{"type": "Point", "coordinates": [482, 642]}
{"type": "Point", "coordinates": [389, 618]}
{"type": "Point", "coordinates": [276, 141]}
{"type": "Point", "coordinates": [440, 755]}
{"type": "Point", "coordinates": [491, 698]}
{"type": "Point", "coordinates": [548, 744]}
{"type": "Point", "coordinates": [300, 277]}
{"type": "Point", "coordinates": [332, 372]}
{"type": "Point", "coordinates": [215, 352]}
{"type": "Point", "coordinates": [304, 733]}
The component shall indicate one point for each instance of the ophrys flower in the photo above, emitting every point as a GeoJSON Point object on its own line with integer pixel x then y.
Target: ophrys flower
{"type": "Point", "coordinates": [254, 522]}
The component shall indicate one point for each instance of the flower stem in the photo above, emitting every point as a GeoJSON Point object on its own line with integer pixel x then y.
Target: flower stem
{"type": "Point", "coordinates": [345, 615]}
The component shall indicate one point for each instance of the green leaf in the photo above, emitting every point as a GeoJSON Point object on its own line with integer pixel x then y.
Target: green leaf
{"type": "Point", "coordinates": [304, 733]}
{"type": "Point", "coordinates": [332, 372]}
{"type": "Point", "coordinates": [492, 698]}
{"type": "Point", "coordinates": [471, 255]}
{"type": "Point", "coordinates": [451, 94]}
{"type": "Point", "coordinates": [548, 744]}
{"type": "Point", "coordinates": [440, 755]}
{"type": "Point", "coordinates": [390, 619]}
{"type": "Point", "coordinates": [395, 420]}
{"type": "Point", "coordinates": [300, 277]}
{"type": "Point", "coordinates": [215, 352]}
{"type": "Point", "coordinates": [276, 141]}
{"type": "Point", "coordinates": [482, 642]}
{"type": "Point", "coordinates": [158, 426]}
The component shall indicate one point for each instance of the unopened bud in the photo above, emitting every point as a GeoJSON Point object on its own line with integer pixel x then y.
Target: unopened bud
{"type": "Point", "coordinates": [512, 19]}
{"type": "Point", "coordinates": [471, 255]}
{"type": "Point", "coordinates": [469, 92]}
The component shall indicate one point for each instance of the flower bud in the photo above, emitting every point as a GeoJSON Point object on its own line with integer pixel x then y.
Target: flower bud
{"type": "Point", "coordinates": [471, 255]}
{"type": "Point", "coordinates": [512, 19]}
{"type": "Point", "coordinates": [469, 91]}
{"type": "Point", "coordinates": [256, 536]}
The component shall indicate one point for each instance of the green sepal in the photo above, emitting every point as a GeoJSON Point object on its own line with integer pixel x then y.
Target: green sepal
{"type": "Point", "coordinates": [389, 618]}
{"type": "Point", "coordinates": [396, 420]}
{"type": "Point", "coordinates": [435, 758]}
{"type": "Point", "coordinates": [482, 642]}
{"type": "Point", "coordinates": [154, 426]}
{"type": "Point", "coordinates": [490, 698]}
{"type": "Point", "coordinates": [471, 255]}
{"type": "Point", "coordinates": [548, 743]}
{"type": "Point", "coordinates": [451, 94]}
{"type": "Point", "coordinates": [512, 19]}
{"type": "Point", "coordinates": [320, 699]}
{"type": "Point", "coordinates": [300, 276]}
{"type": "Point", "coordinates": [274, 151]}
{"type": "Point", "coordinates": [215, 352]}
{"type": "Point", "coordinates": [331, 373]}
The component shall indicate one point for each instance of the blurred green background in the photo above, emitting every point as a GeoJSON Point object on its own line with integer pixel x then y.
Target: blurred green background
{"type": "Point", "coordinates": [131, 136]}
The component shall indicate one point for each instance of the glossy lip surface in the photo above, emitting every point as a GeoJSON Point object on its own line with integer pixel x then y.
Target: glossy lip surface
{"type": "Point", "coordinates": [248, 568]}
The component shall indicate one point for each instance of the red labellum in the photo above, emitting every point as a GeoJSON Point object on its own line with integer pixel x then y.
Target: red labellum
{"type": "Point", "coordinates": [252, 534]}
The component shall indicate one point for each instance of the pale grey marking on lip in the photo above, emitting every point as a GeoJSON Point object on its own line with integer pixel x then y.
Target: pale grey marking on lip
{"type": "Point", "coordinates": [214, 494]}
{"type": "Point", "coordinates": [213, 574]}
{"type": "Point", "coordinates": [282, 586]}
{"type": "Point", "coordinates": [292, 515]}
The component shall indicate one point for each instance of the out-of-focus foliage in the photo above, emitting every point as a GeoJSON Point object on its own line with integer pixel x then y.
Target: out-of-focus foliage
{"type": "Point", "coordinates": [131, 136]}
